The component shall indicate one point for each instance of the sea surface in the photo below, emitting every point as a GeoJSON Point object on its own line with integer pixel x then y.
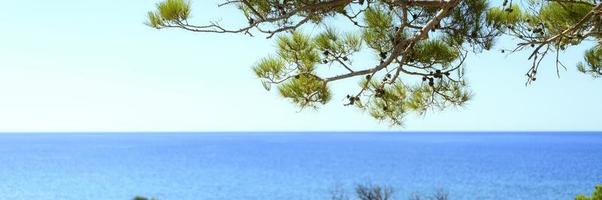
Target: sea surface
{"type": "Point", "coordinates": [290, 166]}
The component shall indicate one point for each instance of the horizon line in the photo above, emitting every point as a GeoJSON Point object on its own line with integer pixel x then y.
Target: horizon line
{"type": "Point", "coordinates": [306, 132]}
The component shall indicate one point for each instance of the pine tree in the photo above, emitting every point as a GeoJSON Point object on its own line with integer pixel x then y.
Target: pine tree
{"type": "Point", "coordinates": [419, 46]}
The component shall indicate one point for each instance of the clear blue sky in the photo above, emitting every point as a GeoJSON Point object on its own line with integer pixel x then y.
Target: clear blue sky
{"type": "Point", "coordinates": [94, 66]}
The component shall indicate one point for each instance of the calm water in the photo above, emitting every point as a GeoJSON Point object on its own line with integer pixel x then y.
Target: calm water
{"type": "Point", "coordinates": [297, 165]}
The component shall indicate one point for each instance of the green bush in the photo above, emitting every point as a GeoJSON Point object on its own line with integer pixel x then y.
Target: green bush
{"type": "Point", "coordinates": [597, 195]}
{"type": "Point", "coordinates": [143, 198]}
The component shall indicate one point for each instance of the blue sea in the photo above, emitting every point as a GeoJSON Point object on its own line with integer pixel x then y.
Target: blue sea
{"type": "Point", "coordinates": [289, 166]}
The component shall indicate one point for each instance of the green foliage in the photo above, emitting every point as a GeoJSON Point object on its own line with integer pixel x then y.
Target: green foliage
{"type": "Point", "coordinates": [544, 20]}
{"type": "Point", "coordinates": [305, 90]}
{"type": "Point", "coordinates": [593, 62]}
{"type": "Point", "coordinates": [455, 94]}
{"type": "Point", "coordinates": [378, 18]}
{"type": "Point", "coordinates": [596, 195]}
{"type": "Point", "coordinates": [547, 26]}
{"type": "Point", "coordinates": [169, 11]}
{"type": "Point", "coordinates": [467, 25]}
{"type": "Point", "coordinates": [271, 69]}
{"type": "Point", "coordinates": [143, 198]}
{"type": "Point", "coordinates": [426, 40]}
{"type": "Point", "coordinates": [558, 17]}
{"type": "Point", "coordinates": [261, 6]}
{"type": "Point", "coordinates": [393, 102]}
{"type": "Point", "coordinates": [330, 41]}
{"type": "Point", "coordinates": [378, 32]}
{"type": "Point", "coordinates": [435, 51]}
{"type": "Point", "coordinates": [298, 48]}
{"type": "Point", "coordinates": [298, 55]}
{"type": "Point", "coordinates": [390, 104]}
{"type": "Point", "coordinates": [505, 16]}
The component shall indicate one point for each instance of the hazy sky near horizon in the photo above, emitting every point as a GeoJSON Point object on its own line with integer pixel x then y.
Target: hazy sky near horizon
{"type": "Point", "coordinates": [94, 66]}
